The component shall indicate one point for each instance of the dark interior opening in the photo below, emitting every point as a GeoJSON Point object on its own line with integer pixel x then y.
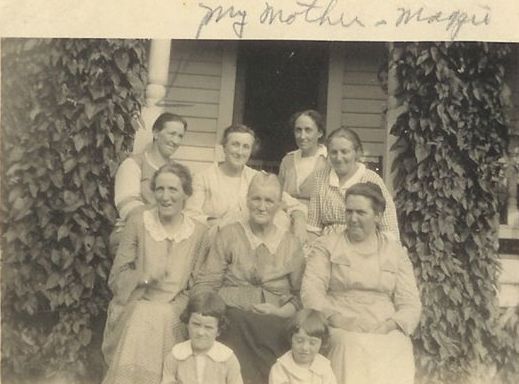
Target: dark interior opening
{"type": "Point", "coordinates": [274, 80]}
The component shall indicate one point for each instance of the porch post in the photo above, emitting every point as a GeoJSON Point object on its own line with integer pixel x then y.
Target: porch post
{"type": "Point", "coordinates": [335, 80]}
{"type": "Point", "coordinates": [158, 71]}
{"type": "Point", "coordinates": [394, 109]}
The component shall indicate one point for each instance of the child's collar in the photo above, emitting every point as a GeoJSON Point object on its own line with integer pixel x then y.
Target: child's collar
{"type": "Point", "coordinates": [320, 366]}
{"type": "Point", "coordinates": [218, 352]}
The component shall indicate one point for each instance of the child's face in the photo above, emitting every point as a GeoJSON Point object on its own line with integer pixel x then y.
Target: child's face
{"type": "Point", "coordinates": [202, 332]}
{"type": "Point", "coordinates": [305, 347]}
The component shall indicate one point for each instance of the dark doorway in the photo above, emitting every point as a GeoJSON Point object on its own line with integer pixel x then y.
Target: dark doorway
{"type": "Point", "coordinates": [274, 80]}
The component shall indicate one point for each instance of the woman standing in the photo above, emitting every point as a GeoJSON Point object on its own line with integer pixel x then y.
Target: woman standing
{"type": "Point", "coordinates": [257, 268]}
{"type": "Point", "coordinates": [298, 168]}
{"type": "Point", "coordinates": [149, 278]}
{"type": "Point", "coordinates": [220, 191]}
{"type": "Point", "coordinates": [363, 281]}
{"type": "Point", "coordinates": [327, 212]}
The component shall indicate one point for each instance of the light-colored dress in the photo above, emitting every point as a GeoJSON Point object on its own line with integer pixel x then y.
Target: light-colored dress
{"type": "Point", "coordinates": [215, 196]}
{"type": "Point", "coordinates": [247, 271]}
{"type": "Point", "coordinates": [218, 365]}
{"type": "Point", "coordinates": [132, 183]}
{"type": "Point", "coordinates": [297, 173]}
{"type": "Point", "coordinates": [368, 289]}
{"type": "Point", "coordinates": [143, 322]}
{"type": "Point", "coordinates": [327, 210]}
{"type": "Point", "coordinates": [287, 371]}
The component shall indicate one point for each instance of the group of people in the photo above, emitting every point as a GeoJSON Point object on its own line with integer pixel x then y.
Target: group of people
{"type": "Point", "coordinates": [300, 276]}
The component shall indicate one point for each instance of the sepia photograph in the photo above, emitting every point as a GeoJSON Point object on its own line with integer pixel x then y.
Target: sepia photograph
{"type": "Point", "coordinates": [261, 211]}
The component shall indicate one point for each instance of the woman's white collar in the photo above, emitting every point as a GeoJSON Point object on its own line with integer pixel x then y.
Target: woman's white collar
{"type": "Point", "coordinates": [157, 231]}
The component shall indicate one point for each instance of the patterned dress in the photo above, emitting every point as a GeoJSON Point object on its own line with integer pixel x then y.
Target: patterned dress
{"type": "Point", "coordinates": [367, 289]}
{"type": "Point", "coordinates": [143, 322]}
{"type": "Point", "coordinates": [327, 210]}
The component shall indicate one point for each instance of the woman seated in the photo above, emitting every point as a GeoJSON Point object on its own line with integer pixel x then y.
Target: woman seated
{"type": "Point", "coordinates": [149, 278]}
{"type": "Point", "coordinates": [132, 180]}
{"type": "Point", "coordinates": [220, 191]}
{"type": "Point", "coordinates": [326, 212]}
{"type": "Point", "coordinates": [363, 281]}
{"type": "Point", "coordinates": [298, 168]}
{"type": "Point", "coordinates": [257, 269]}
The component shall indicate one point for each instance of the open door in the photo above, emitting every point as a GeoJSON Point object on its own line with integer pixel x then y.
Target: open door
{"type": "Point", "coordinates": [274, 80]}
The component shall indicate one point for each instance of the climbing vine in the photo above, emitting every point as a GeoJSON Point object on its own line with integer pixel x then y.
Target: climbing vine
{"type": "Point", "coordinates": [452, 132]}
{"type": "Point", "coordinates": [70, 108]}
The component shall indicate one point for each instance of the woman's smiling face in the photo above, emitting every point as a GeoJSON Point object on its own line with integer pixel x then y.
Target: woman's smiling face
{"type": "Point", "coordinates": [238, 148]}
{"type": "Point", "coordinates": [169, 194]}
{"type": "Point", "coordinates": [169, 138]}
{"type": "Point", "coordinates": [342, 155]}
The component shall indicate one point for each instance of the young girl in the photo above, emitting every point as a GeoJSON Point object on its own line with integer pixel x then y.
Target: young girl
{"type": "Point", "coordinates": [202, 359]}
{"type": "Point", "coordinates": [304, 364]}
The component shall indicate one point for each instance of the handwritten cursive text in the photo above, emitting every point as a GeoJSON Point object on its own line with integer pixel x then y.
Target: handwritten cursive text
{"type": "Point", "coordinates": [238, 16]}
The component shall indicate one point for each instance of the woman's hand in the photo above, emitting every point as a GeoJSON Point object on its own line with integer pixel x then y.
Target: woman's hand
{"type": "Point", "coordinates": [264, 309]}
{"type": "Point", "coordinates": [287, 310]}
{"type": "Point", "coordinates": [148, 281]}
{"type": "Point", "coordinates": [386, 327]}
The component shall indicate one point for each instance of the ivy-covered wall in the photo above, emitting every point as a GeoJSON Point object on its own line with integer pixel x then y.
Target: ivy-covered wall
{"type": "Point", "coordinates": [70, 108]}
{"type": "Point", "coordinates": [452, 132]}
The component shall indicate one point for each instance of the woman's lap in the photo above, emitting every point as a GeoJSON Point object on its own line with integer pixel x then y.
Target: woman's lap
{"type": "Point", "coordinates": [147, 331]}
{"type": "Point", "coordinates": [257, 340]}
{"type": "Point", "coordinates": [359, 358]}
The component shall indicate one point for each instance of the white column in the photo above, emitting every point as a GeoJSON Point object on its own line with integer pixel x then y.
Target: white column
{"type": "Point", "coordinates": [335, 80]}
{"type": "Point", "coordinates": [394, 109]}
{"type": "Point", "coordinates": [158, 71]}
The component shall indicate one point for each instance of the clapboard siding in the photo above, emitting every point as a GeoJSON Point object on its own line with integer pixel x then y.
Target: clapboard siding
{"type": "Point", "coordinates": [362, 106]}
{"type": "Point", "coordinates": [194, 91]}
{"type": "Point", "coordinates": [363, 100]}
{"type": "Point", "coordinates": [192, 94]}
{"type": "Point", "coordinates": [186, 80]}
{"type": "Point", "coordinates": [200, 124]}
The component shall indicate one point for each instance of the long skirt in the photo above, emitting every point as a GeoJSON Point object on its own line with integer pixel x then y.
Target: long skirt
{"type": "Point", "coordinates": [257, 341]}
{"type": "Point", "coordinates": [364, 358]}
{"type": "Point", "coordinates": [137, 340]}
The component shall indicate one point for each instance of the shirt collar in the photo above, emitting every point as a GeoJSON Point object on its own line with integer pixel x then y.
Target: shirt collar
{"type": "Point", "coordinates": [355, 178]}
{"type": "Point", "coordinates": [272, 243]}
{"type": "Point", "coordinates": [157, 231]}
{"type": "Point", "coordinates": [321, 151]}
{"type": "Point", "coordinates": [320, 366]}
{"type": "Point", "coordinates": [218, 352]}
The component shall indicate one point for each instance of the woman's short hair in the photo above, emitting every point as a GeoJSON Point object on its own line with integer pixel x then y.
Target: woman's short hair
{"type": "Point", "coordinates": [349, 134]}
{"type": "Point", "coordinates": [312, 322]}
{"type": "Point", "coordinates": [207, 303]}
{"type": "Point", "coordinates": [177, 169]}
{"type": "Point", "coordinates": [167, 117]}
{"type": "Point", "coordinates": [265, 178]}
{"type": "Point", "coordinates": [239, 128]}
{"type": "Point", "coordinates": [372, 192]}
{"type": "Point", "coordinates": [316, 117]}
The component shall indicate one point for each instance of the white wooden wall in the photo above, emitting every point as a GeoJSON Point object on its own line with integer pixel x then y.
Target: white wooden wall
{"type": "Point", "coordinates": [363, 100]}
{"type": "Point", "coordinates": [194, 92]}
